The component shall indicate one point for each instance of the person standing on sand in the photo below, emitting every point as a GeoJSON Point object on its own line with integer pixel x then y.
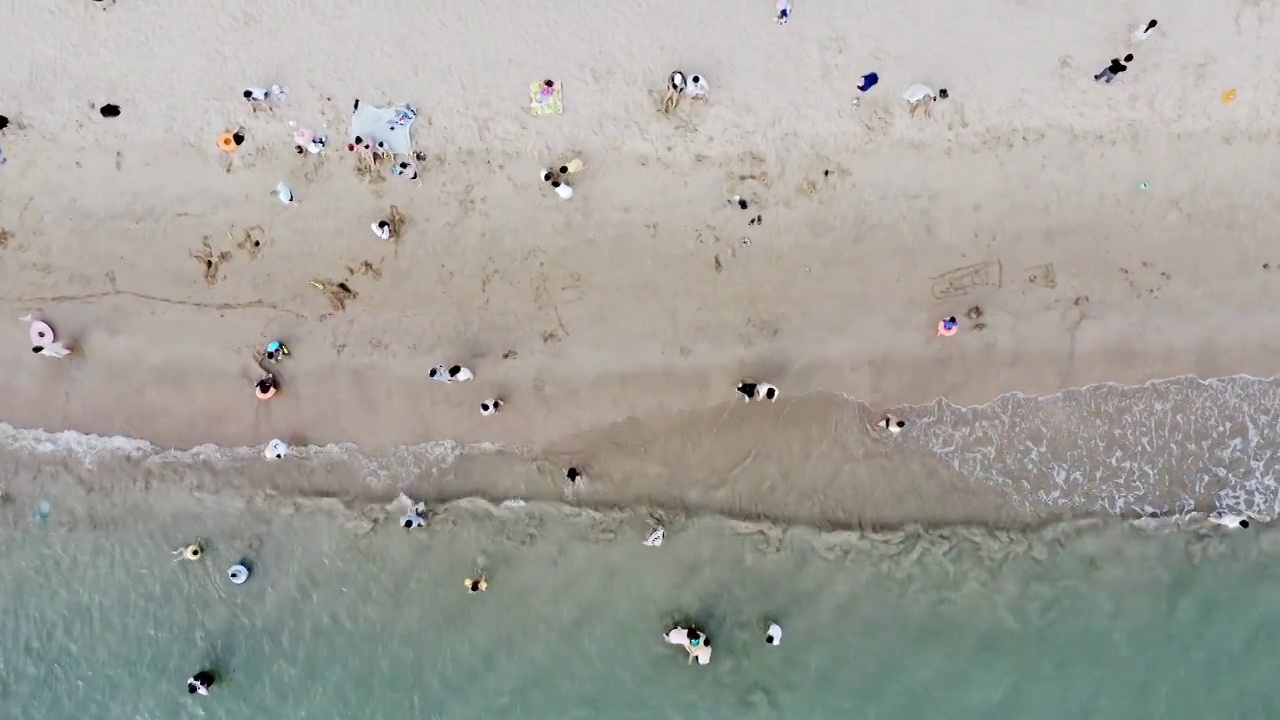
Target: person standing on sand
{"type": "Point", "coordinates": [922, 95]}
{"type": "Point", "coordinates": [1112, 71]}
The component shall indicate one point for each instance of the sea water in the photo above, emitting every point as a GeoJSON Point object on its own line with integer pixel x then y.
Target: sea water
{"type": "Point", "coordinates": [347, 615]}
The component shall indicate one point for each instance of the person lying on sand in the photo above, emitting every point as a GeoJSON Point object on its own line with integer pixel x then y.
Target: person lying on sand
{"type": "Point", "coordinates": [455, 373]}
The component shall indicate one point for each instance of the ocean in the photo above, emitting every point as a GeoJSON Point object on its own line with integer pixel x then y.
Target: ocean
{"type": "Point", "coordinates": [1143, 609]}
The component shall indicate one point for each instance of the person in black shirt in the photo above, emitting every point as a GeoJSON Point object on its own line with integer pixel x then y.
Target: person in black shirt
{"type": "Point", "coordinates": [1112, 71]}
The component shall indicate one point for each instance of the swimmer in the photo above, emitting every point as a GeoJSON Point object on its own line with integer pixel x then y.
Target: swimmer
{"type": "Point", "coordinates": [892, 424]}
{"type": "Point", "coordinates": [477, 585]}
{"type": "Point", "coordinates": [562, 189]}
{"type": "Point", "coordinates": [490, 406]}
{"type": "Point", "coordinates": [573, 475]}
{"type": "Point", "coordinates": [266, 388]}
{"type": "Point", "coordinates": [773, 636]}
{"type": "Point", "coordinates": [382, 229]}
{"type": "Point", "coordinates": [276, 449]}
{"type": "Point", "coordinates": [190, 552]}
{"type": "Point", "coordinates": [675, 88]}
{"type": "Point", "coordinates": [1234, 522]}
{"type": "Point", "coordinates": [415, 518]}
{"type": "Point", "coordinates": [201, 682]}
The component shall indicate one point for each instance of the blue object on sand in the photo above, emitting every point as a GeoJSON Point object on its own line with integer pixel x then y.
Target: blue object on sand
{"type": "Point", "coordinates": [868, 81]}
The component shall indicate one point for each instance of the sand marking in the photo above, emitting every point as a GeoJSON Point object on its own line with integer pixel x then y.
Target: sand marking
{"type": "Point", "coordinates": [964, 280]}
{"type": "Point", "coordinates": [211, 262]}
{"type": "Point", "coordinates": [1042, 276]}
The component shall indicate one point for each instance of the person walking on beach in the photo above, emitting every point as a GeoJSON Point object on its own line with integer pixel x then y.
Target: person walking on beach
{"type": "Point", "coordinates": [200, 683]}
{"type": "Point", "coordinates": [382, 229]}
{"type": "Point", "coordinates": [918, 96]}
{"type": "Point", "coordinates": [1112, 71]}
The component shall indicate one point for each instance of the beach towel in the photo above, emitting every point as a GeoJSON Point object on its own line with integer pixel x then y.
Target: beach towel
{"type": "Point", "coordinates": [390, 126]}
{"type": "Point", "coordinates": [545, 100]}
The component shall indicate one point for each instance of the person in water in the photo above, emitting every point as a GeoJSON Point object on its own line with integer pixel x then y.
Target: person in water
{"type": "Point", "coordinates": [200, 683]}
{"type": "Point", "coordinates": [477, 585]}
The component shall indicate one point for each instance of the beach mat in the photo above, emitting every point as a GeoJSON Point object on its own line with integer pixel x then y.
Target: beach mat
{"type": "Point", "coordinates": [551, 104]}
{"type": "Point", "coordinates": [390, 126]}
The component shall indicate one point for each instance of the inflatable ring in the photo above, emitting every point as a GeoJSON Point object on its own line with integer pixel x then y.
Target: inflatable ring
{"type": "Point", "coordinates": [227, 142]}
{"type": "Point", "coordinates": [945, 331]}
{"type": "Point", "coordinates": [238, 574]}
{"type": "Point", "coordinates": [257, 390]}
{"type": "Point", "coordinates": [192, 552]}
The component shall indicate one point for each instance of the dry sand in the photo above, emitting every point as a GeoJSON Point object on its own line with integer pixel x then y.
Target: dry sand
{"type": "Point", "coordinates": [635, 298]}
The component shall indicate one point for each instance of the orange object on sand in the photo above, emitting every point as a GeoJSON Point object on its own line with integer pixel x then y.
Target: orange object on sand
{"type": "Point", "coordinates": [1228, 96]}
{"type": "Point", "coordinates": [266, 388]}
{"type": "Point", "coordinates": [227, 142]}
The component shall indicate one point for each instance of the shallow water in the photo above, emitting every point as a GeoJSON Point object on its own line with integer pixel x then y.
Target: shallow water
{"type": "Point", "coordinates": [349, 616]}
{"type": "Point", "coordinates": [1072, 621]}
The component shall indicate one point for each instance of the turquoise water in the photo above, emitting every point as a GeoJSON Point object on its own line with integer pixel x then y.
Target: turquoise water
{"type": "Point", "coordinates": [1083, 620]}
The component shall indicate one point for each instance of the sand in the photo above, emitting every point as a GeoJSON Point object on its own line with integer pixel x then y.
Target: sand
{"type": "Point", "coordinates": [1023, 195]}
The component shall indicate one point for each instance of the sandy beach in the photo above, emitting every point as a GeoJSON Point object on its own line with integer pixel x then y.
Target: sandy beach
{"type": "Point", "coordinates": [1108, 233]}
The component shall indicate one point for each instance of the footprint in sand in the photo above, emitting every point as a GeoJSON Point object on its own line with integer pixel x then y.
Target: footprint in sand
{"type": "Point", "coordinates": [253, 241]}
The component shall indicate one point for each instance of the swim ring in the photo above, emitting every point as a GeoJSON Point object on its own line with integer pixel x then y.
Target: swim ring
{"type": "Point", "coordinates": [238, 574]}
{"type": "Point", "coordinates": [192, 552]}
{"type": "Point", "coordinates": [227, 142]}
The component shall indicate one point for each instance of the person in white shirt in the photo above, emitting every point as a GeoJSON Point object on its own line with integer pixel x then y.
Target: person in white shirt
{"type": "Point", "coordinates": [490, 406]}
{"type": "Point", "coordinates": [562, 189]}
{"type": "Point", "coordinates": [697, 87]}
{"type": "Point", "coordinates": [922, 95]}
{"type": "Point", "coordinates": [382, 229]}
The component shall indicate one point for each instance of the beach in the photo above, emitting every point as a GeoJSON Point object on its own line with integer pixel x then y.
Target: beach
{"type": "Point", "coordinates": [1039, 540]}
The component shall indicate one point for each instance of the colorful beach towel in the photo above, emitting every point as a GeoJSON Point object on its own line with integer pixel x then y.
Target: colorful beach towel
{"type": "Point", "coordinates": [544, 99]}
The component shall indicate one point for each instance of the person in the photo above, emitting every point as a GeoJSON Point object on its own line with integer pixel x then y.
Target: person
{"type": "Point", "coordinates": [784, 11]}
{"type": "Point", "coordinates": [675, 88]}
{"type": "Point", "coordinates": [382, 229]}
{"type": "Point", "coordinates": [200, 683]}
{"type": "Point", "coordinates": [892, 424]}
{"type": "Point", "coordinates": [546, 175]}
{"type": "Point", "coordinates": [1112, 71]}
{"type": "Point", "coordinates": [922, 95]}
{"type": "Point", "coordinates": [697, 87]}
{"type": "Point", "coordinates": [573, 475]}
{"type": "Point", "coordinates": [757, 391]}
{"type": "Point", "coordinates": [456, 373]}
{"type": "Point", "coordinates": [415, 517]}
{"type": "Point", "coordinates": [1234, 522]}
{"type": "Point", "coordinates": [948, 326]}
{"type": "Point", "coordinates": [266, 388]}
{"type": "Point", "coordinates": [490, 406]}
{"type": "Point", "coordinates": [275, 352]}
{"type": "Point", "coordinates": [773, 636]}
{"type": "Point", "coordinates": [562, 189]}
{"type": "Point", "coordinates": [477, 585]}
{"type": "Point", "coordinates": [1144, 31]}
{"type": "Point", "coordinates": [276, 449]}
{"type": "Point", "coordinates": [404, 168]}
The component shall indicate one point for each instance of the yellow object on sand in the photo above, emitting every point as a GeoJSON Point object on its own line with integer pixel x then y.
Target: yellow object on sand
{"type": "Point", "coordinates": [575, 165]}
{"type": "Point", "coordinates": [480, 584]}
{"type": "Point", "coordinates": [1228, 96]}
{"type": "Point", "coordinates": [545, 100]}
